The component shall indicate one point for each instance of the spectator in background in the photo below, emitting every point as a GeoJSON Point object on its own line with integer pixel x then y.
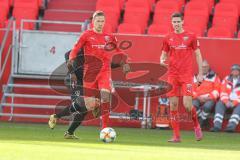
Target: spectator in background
{"type": "Point", "coordinates": [229, 100]}
{"type": "Point", "coordinates": [205, 93]}
{"type": "Point", "coordinates": [86, 25]}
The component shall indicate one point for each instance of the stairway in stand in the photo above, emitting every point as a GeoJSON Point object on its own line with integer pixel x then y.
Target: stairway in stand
{"type": "Point", "coordinates": [70, 11]}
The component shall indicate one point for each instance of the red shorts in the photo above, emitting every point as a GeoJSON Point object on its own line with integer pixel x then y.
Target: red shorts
{"type": "Point", "coordinates": [97, 83]}
{"type": "Point", "coordinates": [177, 82]}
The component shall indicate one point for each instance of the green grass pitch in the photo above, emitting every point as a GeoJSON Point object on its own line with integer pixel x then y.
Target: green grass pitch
{"type": "Point", "coordinates": [38, 142]}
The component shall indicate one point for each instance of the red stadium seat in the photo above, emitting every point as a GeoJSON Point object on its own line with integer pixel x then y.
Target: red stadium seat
{"type": "Point", "coordinates": [40, 3]}
{"type": "Point", "coordinates": [5, 3]}
{"type": "Point", "coordinates": [10, 2]}
{"type": "Point", "coordinates": [111, 9]}
{"type": "Point", "coordinates": [220, 32]}
{"type": "Point", "coordinates": [137, 12]}
{"type": "Point", "coordinates": [225, 21]}
{"type": "Point", "coordinates": [199, 21]}
{"type": "Point", "coordinates": [109, 5]}
{"type": "Point", "coordinates": [226, 9]}
{"type": "Point", "coordinates": [108, 28]}
{"type": "Point", "coordinates": [112, 19]}
{"type": "Point", "coordinates": [238, 34]}
{"type": "Point", "coordinates": [20, 13]}
{"type": "Point", "coordinates": [151, 2]}
{"type": "Point", "coordinates": [162, 18]}
{"type": "Point", "coordinates": [4, 9]}
{"type": "Point", "coordinates": [180, 3]}
{"type": "Point", "coordinates": [121, 2]}
{"type": "Point", "coordinates": [129, 28]}
{"type": "Point", "coordinates": [164, 10]}
{"type": "Point", "coordinates": [197, 30]}
{"type": "Point", "coordinates": [235, 2]}
{"type": "Point", "coordinates": [139, 18]}
{"type": "Point", "coordinates": [230, 1]}
{"type": "Point", "coordinates": [3, 13]}
{"type": "Point", "coordinates": [196, 9]}
{"type": "Point", "coordinates": [137, 6]}
{"type": "Point", "coordinates": [26, 4]}
{"type": "Point", "coordinates": [210, 3]}
{"type": "Point", "coordinates": [155, 29]}
{"type": "Point", "coordinates": [114, 4]}
{"type": "Point", "coordinates": [25, 9]}
{"type": "Point", "coordinates": [170, 6]}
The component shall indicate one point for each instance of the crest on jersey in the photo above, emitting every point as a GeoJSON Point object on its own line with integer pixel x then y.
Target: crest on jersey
{"type": "Point", "coordinates": [107, 38]}
{"type": "Point", "coordinates": [185, 38]}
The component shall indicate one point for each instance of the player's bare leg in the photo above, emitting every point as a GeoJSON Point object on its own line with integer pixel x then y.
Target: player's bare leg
{"type": "Point", "coordinates": [187, 102]}
{"type": "Point", "coordinates": [174, 119]}
{"type": "Point", "coordinates": [105, 107]}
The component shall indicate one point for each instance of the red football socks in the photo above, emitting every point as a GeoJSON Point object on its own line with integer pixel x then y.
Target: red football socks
{"type": "Point", "coordinates": [175, 123]}
{"type": "Point", "coordinates": [194, 117]}
{"type": "Point", "coordinates": [105, 114]}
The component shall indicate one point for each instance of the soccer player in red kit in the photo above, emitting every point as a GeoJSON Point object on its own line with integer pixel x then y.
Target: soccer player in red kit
{"type": "Point", "coordinates": [179, 47]}
{"type": "Point", "coordinates": [97, 75]}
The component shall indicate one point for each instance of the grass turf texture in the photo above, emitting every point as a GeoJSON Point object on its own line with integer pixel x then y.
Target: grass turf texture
{"type": "Point", "coordinates": [38, 142]}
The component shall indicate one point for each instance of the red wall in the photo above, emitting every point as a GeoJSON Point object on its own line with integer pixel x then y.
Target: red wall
{"type": "Point", "coordinates": [221, 54]}
{"type": "Point", "coordinates": [7, 70]}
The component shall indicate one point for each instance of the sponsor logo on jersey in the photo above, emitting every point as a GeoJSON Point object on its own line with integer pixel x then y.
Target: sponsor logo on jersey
{"type": "Point", "coordinates": [185, 38]}
{"type": "Point", "coordinates": [181, 46]}
{"type": "Point", "coordinates": [92, 38]}
{"type": "Point", "coordinates": [107, 38]}
{"type": "Point", "coordinates": [99, 46]}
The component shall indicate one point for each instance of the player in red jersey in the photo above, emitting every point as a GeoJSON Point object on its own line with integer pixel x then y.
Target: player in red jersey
{"type": "Point", "coordinates": [97, 63]}
{"type": "Point", "coordinates": [179, 47]}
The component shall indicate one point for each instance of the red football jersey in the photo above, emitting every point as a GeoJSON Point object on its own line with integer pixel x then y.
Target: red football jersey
{"type": "Point", "coordinates": [180, 49]}
{"type": "Point", "coordinates": [94, 45]}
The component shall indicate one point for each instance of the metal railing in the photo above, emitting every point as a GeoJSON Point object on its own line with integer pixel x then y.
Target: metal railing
{"type": "Point", "coordinates": [23, 115]}
{"type": "Point", "coordinates": [13, 105]}
{"type": "Point", "coordinates": [36, 86]}
{"type": "Point", "coordinates": [145, 119]}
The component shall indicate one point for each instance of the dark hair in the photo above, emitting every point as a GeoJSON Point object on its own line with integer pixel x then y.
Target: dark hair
{"type": "Point", "coordinates": [98, 13]}
{"type": "Point", "coordinates": [177, 14]}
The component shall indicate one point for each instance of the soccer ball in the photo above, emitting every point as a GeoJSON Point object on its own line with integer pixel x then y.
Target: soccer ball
{"type": "Point", "coordinates": [108, 135]}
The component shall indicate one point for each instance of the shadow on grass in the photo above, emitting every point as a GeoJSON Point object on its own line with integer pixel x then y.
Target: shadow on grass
{"type": "Point", "coordinates": [33, 133]}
